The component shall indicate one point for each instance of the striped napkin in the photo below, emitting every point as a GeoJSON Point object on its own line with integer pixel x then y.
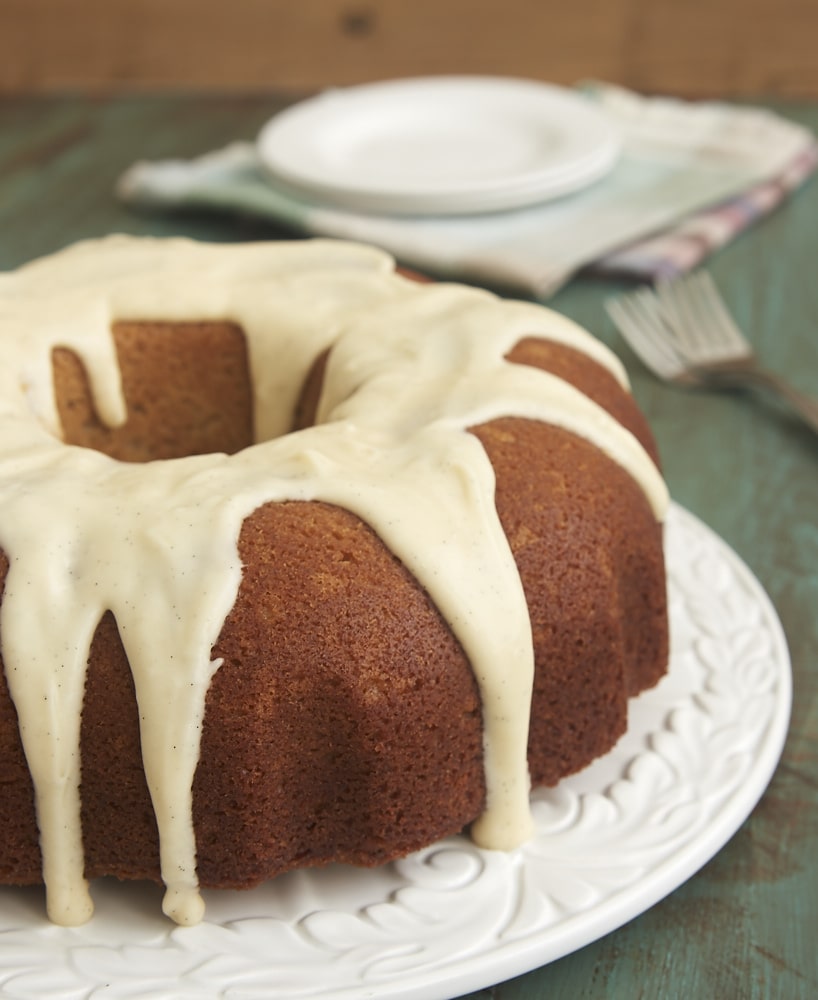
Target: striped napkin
{"type": "Point", "coordinates": [690, 178]}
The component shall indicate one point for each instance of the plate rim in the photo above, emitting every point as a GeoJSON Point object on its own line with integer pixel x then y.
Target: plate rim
{"type": "Point", "coordinates": [600, 147]}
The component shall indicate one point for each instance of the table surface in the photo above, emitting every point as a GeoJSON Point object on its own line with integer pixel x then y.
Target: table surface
{"type": "Point", "coordinates": [744, 926]}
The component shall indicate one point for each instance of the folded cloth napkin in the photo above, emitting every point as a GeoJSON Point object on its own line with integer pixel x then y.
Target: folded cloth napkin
{"type": "Point", "coordinates": [691, 176]}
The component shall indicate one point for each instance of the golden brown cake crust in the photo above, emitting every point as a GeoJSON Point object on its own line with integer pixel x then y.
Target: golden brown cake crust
{"type": "Point", "coordinates": [19, 846]}
{"type": "Point", "coordinates": [177, 405]}
{"type": "Point", "coordinates": [582, 536]}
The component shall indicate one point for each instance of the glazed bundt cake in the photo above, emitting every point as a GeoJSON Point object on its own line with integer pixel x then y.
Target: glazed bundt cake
{"type": "Point", "coordinates": [302, 561]}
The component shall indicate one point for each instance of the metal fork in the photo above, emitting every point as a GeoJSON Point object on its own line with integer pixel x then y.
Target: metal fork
{"type": "Point", "coordinates": [684, 334]}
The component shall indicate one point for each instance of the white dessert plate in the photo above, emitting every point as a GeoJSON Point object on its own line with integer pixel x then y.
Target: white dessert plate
{"type": "Point", "coordinates": [609, 843]}
{"type": "Point", "coordinates": [439, 145]}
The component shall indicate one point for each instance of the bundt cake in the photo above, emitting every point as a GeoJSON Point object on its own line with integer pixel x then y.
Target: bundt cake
{"type": "Point", "coordinates": [302, 561]}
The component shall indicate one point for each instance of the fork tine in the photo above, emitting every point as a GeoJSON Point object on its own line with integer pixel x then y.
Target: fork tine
{"type": "Point", "coordinates": [700, 319]}
{"type": "Point", "coordinates": [641, 325]}
{"type": "Point", "coordinates": [681, 304]}
{"type": "Point", "coordinates": [729, 331]}
{"type": "Point", "coordinates": [639, 320]}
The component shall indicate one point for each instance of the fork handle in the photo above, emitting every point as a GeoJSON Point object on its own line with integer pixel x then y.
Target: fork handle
{"type": "Point", "coordinates": [742, 376]}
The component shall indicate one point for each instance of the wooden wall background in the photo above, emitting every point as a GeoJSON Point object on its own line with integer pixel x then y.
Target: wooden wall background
{"type": "Point", "coordinates": [689, 47]}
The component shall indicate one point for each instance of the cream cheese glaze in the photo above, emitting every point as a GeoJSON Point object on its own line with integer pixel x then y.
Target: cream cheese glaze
{"type": "Point", "coordinates": [412, 368]}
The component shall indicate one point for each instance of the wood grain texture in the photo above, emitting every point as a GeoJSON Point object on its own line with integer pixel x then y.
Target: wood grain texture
{"type": "Point", "coordinates": [699, 47]}
{"type": "Point", "coordinates": [744, 925]}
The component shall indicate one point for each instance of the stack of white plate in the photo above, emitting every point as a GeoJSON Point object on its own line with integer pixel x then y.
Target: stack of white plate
{"type": "Point", "coordinates": [439, 146]}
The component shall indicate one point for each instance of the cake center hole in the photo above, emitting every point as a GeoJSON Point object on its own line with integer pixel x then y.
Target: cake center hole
{"type": "Point", "coordinates": [187, 388]}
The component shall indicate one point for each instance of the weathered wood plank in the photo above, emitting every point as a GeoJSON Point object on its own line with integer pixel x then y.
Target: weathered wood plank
{"type": "Point", "coordinates": [700, 47]}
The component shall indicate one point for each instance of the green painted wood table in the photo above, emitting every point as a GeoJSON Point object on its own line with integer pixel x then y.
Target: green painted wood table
{"type": "Point", "coordinates": [745, 925]}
